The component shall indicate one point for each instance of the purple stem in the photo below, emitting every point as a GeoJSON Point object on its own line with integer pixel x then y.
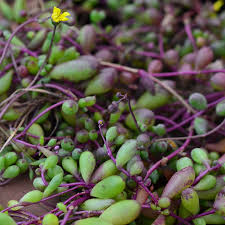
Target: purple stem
{"type": "Point", "coordinates": [23, 49]}
{"type": "Point", "coordinates": [177, 114]}
{"type": "Point", "coordinates": [187, 28]}
{"type": "Point", "coordinates": [5, 182]}
{"type": "Point", "coordinates": [73, 184]}
{"type": "Point", "coordinates": [170, 156]}
{"type": "Point", "coordinates": [183, 221]}
{"type": "Point", "coordinates": [25, 143]}
{"type": "Point", "coordinates": [43, 176]}
{"type": "Point", "coordinates": [132, 114]}
{"type": "Point", "coordinates": [79, 94]}
{"type": "Point", "coordinates": [123, 170]}
{"type": "Point", "coordinates": [148, 54]}
{"type": "Point", "coordinates": [92, 212]}
{"type": "Point", "coordinates": [195, 115]}
{"type": "Point", "coordinates": [170, 122]}
{"type": "Point", "coordinates": [36, 86]}
{"type": "Point", "coordinates": [43, 200]}
{"type": "Point", "coordinates": [29, 52]}
{"type": "Point", "coordinates": [212, 211]}
{"type": "Point", "coordinates": [13, 34]}
{"type": "Point", "coordinates": [203, 173]}
{"type": "Point", "coordinates": [28, 214]}
{"type": "Point", "coordinates": [76, 195]}
{"type": "Point", "coordinates": [161, 49]}
{"type": "Point", "coordinates": [183, 73]}
{"type": "Point", "coordinates": [9, 66]}
{"type": "Point", "coordinates": [74, 43]}
{"type": "Point", "coordinates": [38, 116]}
{"type": "Point", "coordinates": [67, 201]}
{"type": "Point", "coordinates": [214, 95]}
{"type": "Point", "coordinates": [66, 217]}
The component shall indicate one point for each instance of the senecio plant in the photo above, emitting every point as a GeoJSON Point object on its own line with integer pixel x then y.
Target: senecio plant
{"type": "Point", "coordinates": [114, 109]}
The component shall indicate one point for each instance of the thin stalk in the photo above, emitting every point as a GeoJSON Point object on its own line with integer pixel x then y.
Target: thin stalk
{"type": "Point", "coordinates": [38, 116]}
{"type": "Point", "coordinates": [203, 173]}
{"type": "Point", "coordinates": [14, 64]}
{"type": "Point", "coordinates": [43, 200]}
{"type": "Point", "coordinates": [170, 156]}
{"type": "Point", "coordinates": [46, 58]}
{"type": "Point", "coordinates": [183, 221]}
{"type": "Point", "coordinates": [187, 28]}
{"type": "Point", "coordinates": [132, 114]}
{"type": "Point", "coordinates": [43, 176]}
{"type": "Point", "coordinates": [212, 211]}
{"type": "Point", "coordinates": [195, 115]}
{"type": "Point", "coordinates": [67, 215]}
{"type": "Point", "coordinates": [123, 170]}
{"type": "Point", "coordinates": [161, 49]}
{"type": "Point", "coordinates": [13, 34]}
{"type": "Point", "coordinates": [171, 90]}
{"type": "Point", "coordinates": [195, 136]}
{"type": "Point", "coordinates": [144, 73]}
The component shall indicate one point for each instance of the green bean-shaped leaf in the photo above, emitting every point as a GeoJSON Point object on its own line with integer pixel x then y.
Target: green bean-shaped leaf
{"type": "Point", "coordinates": [32, 196]}
{"type": "Point", "coordinates": [219, 203]}
{"type": "Point", "coordinates": [51, 162]}
{"type": "Point", "coordinates": [199, 155]}
{"type": "Point", "coordinates": [53, 184]}
{"type": "Point", "coordinates": [160, 220]}
{"type": "Point", "coordinates": [54, 171]}
{"type": "Point", "coordinates": [11, 172]}
{"type": "Point", "coordinates": [143, 116]}
{"type": "Point", "coordinates": [122, 212]}
{"type": "Point", "coordinates": [178, 182]}
{"type": "Point", "coordinates": [43, 118]}
{"type": "Point", "coordinates": [75, 70]}
{"type": "Point", "coordinates": [87, 165]}
{"type": "Point", "coordinates": [206, 183]}
{"type": "Point", "coordinates": [5, 82]}
{"type": "Point", "coordinates": [106, 169]}
{"type": "Point", "coordinates": [183, 162]}
{"type": "Point", "coordinates": [10, 158]}
{"type": "Point", "coordinates": [69, 165]}
{"type": "Point", "coordinates": [6, 219]}
{"type": "Point", "coordinates": [97, 204]}
{"type": "Point", "coordinates": [150, 101]}
{"type": "Point", "coordinates": [111, 134]}
{"type": "Point", "coordinates": [199, 221]}
{"type": "Point", "coordinates": [39, 184]}
{"type": "Point", "coordinates": [50, 219]}
{"type": "Point", "coordinates": [6, 10]}
{"type": "Point", "coordinates": [136, 168]}
{"type": "Point", "coordinates": [102, 83]}
{"type": "Point", "coordinates": [92, 221]}
{"type": "Point", "coordinates": [110, 187]}
{"type": "Point", "coordinates": [200, 125]}
{"type": "Point", "coordinates": [126, 152]}
{"type": "Point", "coordinates": [214, 219]}
{"type": "Point", "coordinates": [2, 163]}
{"type": "Point", "coordinates": [36, 130]}
{"type": "Point", "coordinates": [211, 193]}
{"type": "Point", "coordinates": [37, 40]}
{"type": "Point", "coordinates": [12, 114]}
{"type": "Point", "coordinates": [190, 200]}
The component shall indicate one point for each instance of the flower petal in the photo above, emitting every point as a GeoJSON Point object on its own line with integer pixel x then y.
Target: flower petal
{"type": "Point", "coordinates": [56, 11]}
{"type": "Point", "coordinates": [66, 14]}
{"type": "Point", "coordinates": [56, 14]}
{"type": "Point", "coordinates": [63, 17]}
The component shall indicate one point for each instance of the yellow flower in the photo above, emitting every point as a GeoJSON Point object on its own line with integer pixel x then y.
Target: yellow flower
{"type": "Point", "coordinates": [217, 5]}
{"type": "Point", "coordinates": [57, 16]}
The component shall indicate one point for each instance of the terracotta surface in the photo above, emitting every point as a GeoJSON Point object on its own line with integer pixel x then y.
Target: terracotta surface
{"type": "Point", "coordinates": [16, 189]}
